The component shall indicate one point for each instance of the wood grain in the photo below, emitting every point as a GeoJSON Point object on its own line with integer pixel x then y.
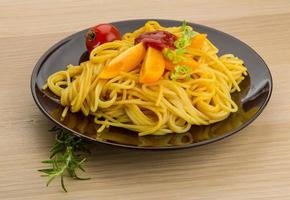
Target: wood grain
{"type": "Point", "coordinates": [254, 164]}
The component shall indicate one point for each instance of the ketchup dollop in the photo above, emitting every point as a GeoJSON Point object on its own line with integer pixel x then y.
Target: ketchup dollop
{"type": "Point", "coordinates": [157, 39]}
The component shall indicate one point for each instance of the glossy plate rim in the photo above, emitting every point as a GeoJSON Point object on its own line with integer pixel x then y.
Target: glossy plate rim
{"type": "Point", "coordinates": [42, 59]}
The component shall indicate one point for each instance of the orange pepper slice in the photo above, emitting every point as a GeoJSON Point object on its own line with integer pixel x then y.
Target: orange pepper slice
{"type": "Point", "coordinates": [187, 62]}
{"type": "Point", "coordinates": [198, 41]}
{"type": "Point", "coordinates": [126, 61]}
{"type": "Point", "coordinates": [169, 65]}
{"type": "Point", "coordinates": [191, 63]}
{"type": "Point", "coordinates": [153, 66]}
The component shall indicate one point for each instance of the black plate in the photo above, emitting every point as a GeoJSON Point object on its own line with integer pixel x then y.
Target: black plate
{"type": "Point", "coordinates": [255, 94]}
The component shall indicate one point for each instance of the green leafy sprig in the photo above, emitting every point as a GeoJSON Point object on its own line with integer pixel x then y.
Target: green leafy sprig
{"type": "Point", "coordinates": [176, 56]}
{"type": "Point", "coordinates": [180, 44]}
{"type": "Point", "coordinates": [66, 157]}
{"type": "Point", "coordinates": [181, 72]}
{"type": "Point", "coordinates": [185, 39]}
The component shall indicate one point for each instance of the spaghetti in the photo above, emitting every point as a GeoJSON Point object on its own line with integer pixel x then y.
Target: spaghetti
{"type": "Point", "coordinates": [157, 108]}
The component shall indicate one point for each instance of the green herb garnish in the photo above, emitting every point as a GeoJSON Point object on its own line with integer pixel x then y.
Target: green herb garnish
{"type": "Point", "coordinates": [67, 156]}
{"type": "Point", "coordinates": [185, 39]}
{"type": "Point", "coordinates": [181, 72]}
{"type": "Point", "coordinates": [176, 56]}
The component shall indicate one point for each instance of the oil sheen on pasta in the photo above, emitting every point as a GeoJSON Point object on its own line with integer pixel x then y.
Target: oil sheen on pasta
{"type": "Point", "coordinates": [163, 107]}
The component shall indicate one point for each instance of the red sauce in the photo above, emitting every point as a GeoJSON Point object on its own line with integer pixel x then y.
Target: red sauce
{"type": "Point", "coordinates": [157, 39]}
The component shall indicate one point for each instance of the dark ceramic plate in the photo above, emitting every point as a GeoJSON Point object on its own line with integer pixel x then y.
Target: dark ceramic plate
{"type": "Point", "coordinates": [255, 94]}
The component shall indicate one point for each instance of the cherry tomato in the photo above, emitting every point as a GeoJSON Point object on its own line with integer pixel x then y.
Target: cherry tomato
{"type": "Point", "coordinates": [157, 39]}
{"type": "Point", "coordinates": [101, 34]}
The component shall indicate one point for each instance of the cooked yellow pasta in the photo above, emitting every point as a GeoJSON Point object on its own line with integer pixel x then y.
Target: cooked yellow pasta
{"type": "Point", "coordinates": [158, 108]}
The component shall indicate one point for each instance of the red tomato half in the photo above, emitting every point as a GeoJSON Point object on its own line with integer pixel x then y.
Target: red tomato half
{"type": "Point", "coordinates": [101, 34]}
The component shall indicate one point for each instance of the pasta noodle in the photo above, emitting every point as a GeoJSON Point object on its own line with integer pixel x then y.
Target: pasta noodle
{"type": "Point", "coordinates": [158, 108]}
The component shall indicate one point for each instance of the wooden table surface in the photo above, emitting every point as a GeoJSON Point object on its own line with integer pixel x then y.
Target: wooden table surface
{"type": "Point", "coordinates": [254, 164]}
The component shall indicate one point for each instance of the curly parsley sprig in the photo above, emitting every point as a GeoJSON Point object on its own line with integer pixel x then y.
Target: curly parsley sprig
{"type": "Point", "coordinates": [181, 43]}
{"type": "Point", "coordinates": [181, 72]}
{"type": "Point", "coordinates": [177, 56]}
{"type": "Point", "coordinates": [66, 157]}
{"type": "Point", "coordinates": [186, 37]}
